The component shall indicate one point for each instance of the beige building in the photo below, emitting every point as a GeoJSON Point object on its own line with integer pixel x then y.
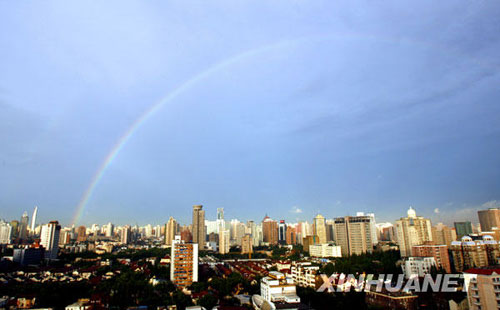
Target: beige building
{"type": "Point", "coordinates": [224, 241]}
{"type": "Point", "coordinates": [246, 244]}
{"type": "Point", "coordinates": [412, 230]}
{"type": "Point", "coordinates": [354, 234]}
{"type": "Point", "coordinates": [319, 228]}
{"type": "Point", "coordinates": [479, 253]}
{"type": "Point", "coordinates": [170, 230]}
{"type": "Point", "coordinates": [489, 218]}
{"type": "Point", "coordinates": [483, 288]}
{"type": "Point", "coordinates": [442, 234]}
{"type": "Point", "coordinates": [199, 226]}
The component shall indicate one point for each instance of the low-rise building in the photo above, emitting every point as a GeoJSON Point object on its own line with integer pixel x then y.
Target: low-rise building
{"type": "Point", "coordinates": [304, 274]}
{"type": "Point", "coordinates": [325, 250]}
{"type": "Point", "coordinates": [277, 287]}
{"type": "Point", "coordinates": [483, 288]}
{"type": "Point", "coordinates": [418, 266]}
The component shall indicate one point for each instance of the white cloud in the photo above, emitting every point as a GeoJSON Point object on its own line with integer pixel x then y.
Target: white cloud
{"type": "Point", "coordinates": [296, 209]}
{"type": "Point", "coordinates": [436, 210]}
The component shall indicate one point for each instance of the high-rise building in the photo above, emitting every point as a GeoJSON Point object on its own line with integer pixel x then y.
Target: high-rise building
{"type": "Point", "coordinates": [184, 263]}
{"type": "Point", "coordinates": [109, 230]}
{"type": "Point", "coordinates": [23, 228]}
{"type": "Point", "coordinates": [291, 237]}
{"type": "Point", "coordinates": [221, 224]}
{"type": "Point", "coordinates": [199, 235]}
{"type": "Point", "coordinates": [442, 234]}
{"type": "Point", "coordinates": [49, 239]}
{"type": "Point", "coordinates": [33, 220]}
{"type": "Point", "coordinates": [330, 235]}
{"type": "Point", "coordinates": [373, 225]}
{"type": "Point", "coordinates": [489, 218]}
{"type": "Point", "coordinates": [15, 229]}
{"type": "Point", "coordinates": [463, 229]}
{"type": "Point", "coordinates": [170, 230]}
{"type": "Point", "coordinates": [246, 244]}
{"type": "Point", "coordinates": [64, 236]}
{"type": "Point", "coordinates": [319, 228]}
{"type": "Point", "coordinates": [385, 231]}
{"type": "Point", "coordinates": [125, 235]}
{"type": "Point", "coordinates": [282, 232]}
{"type": "Point", "coordinates": [224, 240]}
{"type": "Point", "coordinates": [5, 232]}
{"type": "Point", "coordinates": [439, 252]}
{"type": "Point", "coordinates": [308, 241]}
{"type": "Point", "coordinates": [469, 253]}
{"type": "Point", "coordinates": [81, 233]}
{"type": "Point", "coordinates": [412, 230]}
{"type": "Point", "coordinates": [354, 234]}
{"type": "Point", "coordinates": [270, 230]}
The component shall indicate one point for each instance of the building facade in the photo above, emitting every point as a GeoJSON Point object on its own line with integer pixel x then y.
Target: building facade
{"type": "Point", "coordinates": [184, 263]}
{"type": "Point", "coordinates": [198, 226]}
{"type": "Point", "coordinates": [49, 239]}
{"type": "Point", "coordinates": [412, 230]}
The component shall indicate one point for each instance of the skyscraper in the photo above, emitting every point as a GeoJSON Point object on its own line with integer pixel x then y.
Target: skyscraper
{"type": "Point", "coordinates": [184, 263]}
{"type": "Point", "coordinates": [269, 230]}
{"type": "Point", "coordinates": [81, 233]}
{"type": "Point", "coordinates": [354, 234]}
{"type": "Point", "coordinates": [221, 225]}
{"type": "Point", "coordinates": [224, 241]}
{"type": "Point", "coordinates": [246, 244]}
{"type": "Point", "coordinates": [33, 220]}
{"type": "Point", "coordinates": [463, 229]}
{"type": "Point", "coordinates": [199, 225]}
{"type": "Point", "coordinates": [5, 232]}
{"type": "Point", "coordinates": [23, 228]}
{"type": "Point", "coordinates": [50, 239]}
{"type": "Point", "coordinates": [125, 235]}
{"type": "Point", "coordinates": [489, 218]}
{"type": "Point", "coordinates": [442, 234]}
{"type": "Point", "coordinates": [319, 228]}
{"type": "Point", "coordinates": [373, 225]}
{"type": "Point", "coordinates": [282, 232]}
{"type": "Point", "coordinates": [170, 230]}
{"type": "Point", "coordinates": [412, 230]}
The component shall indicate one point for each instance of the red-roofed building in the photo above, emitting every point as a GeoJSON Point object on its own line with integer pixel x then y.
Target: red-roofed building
{"type": "Point", "coordinates": [483, 287]}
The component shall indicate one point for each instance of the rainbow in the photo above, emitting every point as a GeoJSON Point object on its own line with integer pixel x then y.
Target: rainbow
{"type": "Point", "coordinates": [122, 141]}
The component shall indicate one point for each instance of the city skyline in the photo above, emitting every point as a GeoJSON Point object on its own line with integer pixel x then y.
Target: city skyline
{"type": "Point", "coordinates": [109, 110]}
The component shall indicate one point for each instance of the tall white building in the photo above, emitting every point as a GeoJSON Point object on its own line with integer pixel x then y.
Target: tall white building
{"type": "Point", "coordinates": [109, 229]}
{"type": "Point", "coordinates": [221, 224]}
{"type": "Point", "coordinates": [412, 230]}
{"type": "Point", "coordinates": [33, 220]}
{"type": "Point", "coordinates": [49, 239]}
{"type": "Point", "coordinates": [5, 232]}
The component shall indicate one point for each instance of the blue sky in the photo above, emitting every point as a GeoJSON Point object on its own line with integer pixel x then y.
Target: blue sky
{"type": "Point", "coordinates": [298, 107]}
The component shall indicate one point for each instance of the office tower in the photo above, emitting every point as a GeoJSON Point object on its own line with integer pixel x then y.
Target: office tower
{"type": "Point", "coordinates": [64, 236]}
{"type": "Point", "coordinates": [246, 244]}
{"type": "Point", "coordinates": [256, 231]}
{"type": "Point", "coordinates": [224, 241]}
{"type": "Point", "coordinates": [291, 237]}
{"type": "Point", "coordinates": [15, 229]}
{"type": "Point", "coordinates": [385, 231]}
{"type": "Point", "coordinates": [170, 231]}
{"type": "Point", "coordinates": [489, 218]}
{"type": "Point", "coordinates": [439, 252]}
{"type": "Point", "coordinates": [49, 239]}
{"type": "Point", "coordinates": [282, 232]}
{"type": "Point", "coordinates": [319, 228]}
{"type": "Point", "coordinates": [199, 226]}
{"type": "Point", "coordinates": [373, 225]}
{"type": "Point", "coordinates": [109, 230]}
{"type": "Point", "coordinates": [442, 234]}
{"type": "Point", "coordinates": [269, 230]}
{"type": "Point", "coordinates": [239, 232]}
{"type": "Point", "coordinates": [23, 228]}
{"type": "Point", "coordinates": [5, 232]}
{"type": "Point", "coordinates": [184, 263]}
{"type": "Point", "coordinates": [33, 220]}
{"type": "Point", "coordinates": [148, 231]}
{"type": "Point", "coordinates": [412, 230]}
{"type": "Point", "coordinates": [221, 224]}
{"type": "Point", "coordinates": [157, 231]}
{"type": "Point", "coordinates": [354, 234]}
{"type": "Point", "coordinates": [125, 235]}
{"type": "Point", "coordinates": [81, 233]}
{"type": "Point", "coordinates": [463, 229]}
{"type": "Point", "coordinates": [469, 253]}
{"type": "Point", "coordinates": [330, 236]}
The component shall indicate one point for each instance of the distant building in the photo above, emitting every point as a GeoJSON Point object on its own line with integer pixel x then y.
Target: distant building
{"type": "Point", "coordinates": [412, 230]}
{"type": "Point", "coordinates": [49, 239]}
{"type": "Point", "coordinates": [304, 274]}
{"type": "Point", "coordinates": [33, 220]}
{"type": "Point", "coordinates": [319, 228]}
{"type": "Point", "coordinates": [5, 232]}
{"type": "Point", "coordinates": [198, 228]}
{"type": "Point", "coordinates": [439, 252]}
{"type": "Point", "coordinates": [489, 218]}
{"type": "Point", "coordinates": [23, 227]}
{"type": "Point", "coordinates": [308, 241]}
{"type": "Point", "coordinates": [325, 250]}
{"type": "Point", "coordinates": [170, 230]}
{"type": "Point", "coordinates": [442, 234]}
{"type": "Point", "coordinates": [354, 234]}
{"type": "Point", "coordinates": [125, 235]}
{"type": "Point", "coordinates": [463, 229]}
{"type": "Point", "coordinates": [483, 288]}
{"type": "Point", "coordinates": [277, 287]}
{"type": "Point", "coordinates": [28, 256]}
{"type": "Point", "coordinates": [184, 263]}
{"type": "Point", "coordinates": [417, 266]}
{"type": "Point", "coordinates": [246, 244]}
{"type": "Point", "coordinates": [373, 225]}
{"type": "Point", "coordinates": [269, 230]}
{"type": "Point", "coordinates": [224, 242]}
{"type": "Point", "coordinates": [291, 236]}
{"type": "Point", "coordinates": [81, 233]}
{"type": "Point", "coordinates": [282, 232]}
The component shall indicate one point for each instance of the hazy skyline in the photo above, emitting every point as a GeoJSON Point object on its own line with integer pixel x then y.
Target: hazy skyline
{"type": "Point", "coordinates": [279, 107]}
